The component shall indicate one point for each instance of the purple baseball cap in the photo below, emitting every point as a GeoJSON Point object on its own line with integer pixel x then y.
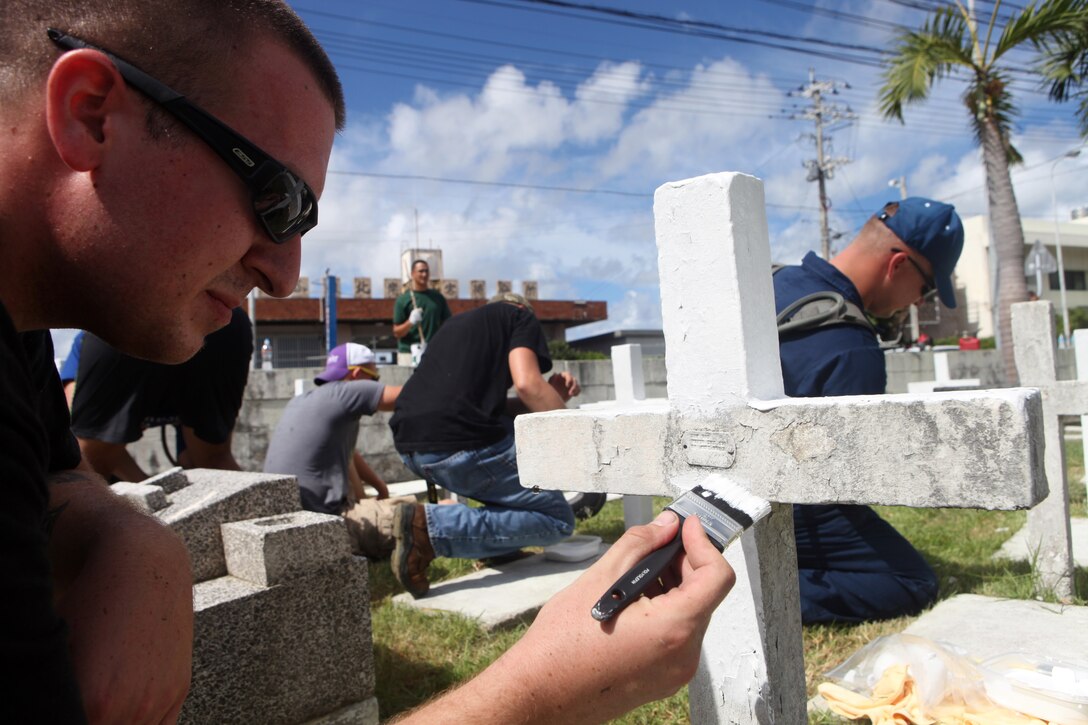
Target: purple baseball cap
{"type": "Point", "coordinates": [341, 359]}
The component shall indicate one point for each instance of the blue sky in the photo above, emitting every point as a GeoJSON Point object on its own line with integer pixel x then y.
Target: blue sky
{"type": "Point", "coordinates": [492, 100]}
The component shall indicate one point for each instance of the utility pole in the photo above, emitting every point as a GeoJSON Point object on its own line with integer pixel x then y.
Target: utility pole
{"type": "Point", "coordinates": [822, 168]}
{"type": "Point", "coordinates": [900, 182]}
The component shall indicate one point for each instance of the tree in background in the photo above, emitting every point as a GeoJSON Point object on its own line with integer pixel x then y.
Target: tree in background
{"type": "Point", "coordinates": [560, 350]}
{"type": "Point", "coordinates": [949, 44]}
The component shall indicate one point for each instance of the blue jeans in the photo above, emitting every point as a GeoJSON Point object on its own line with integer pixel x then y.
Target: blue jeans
{"type": "Point", "coordinates": [511, 516]}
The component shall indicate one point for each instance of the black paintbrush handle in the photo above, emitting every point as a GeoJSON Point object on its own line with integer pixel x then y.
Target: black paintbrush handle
{"type": "Point", "coordinates": [631, 585]}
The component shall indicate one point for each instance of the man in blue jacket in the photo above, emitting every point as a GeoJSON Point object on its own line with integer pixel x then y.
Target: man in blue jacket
{"type": "Point", "coordinates": [853, 566]}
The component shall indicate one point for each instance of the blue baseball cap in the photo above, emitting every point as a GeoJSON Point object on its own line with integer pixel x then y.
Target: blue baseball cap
{"type": "Point", "coordinates": [933, 229]}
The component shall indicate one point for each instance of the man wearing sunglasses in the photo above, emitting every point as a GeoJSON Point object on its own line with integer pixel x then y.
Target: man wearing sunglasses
{"type": "Point", "coordinates": [162, 158]}
{"type": "Point", "coordinates": [853, 566]}
{"type": "Point", "coordinates": [144, 215]}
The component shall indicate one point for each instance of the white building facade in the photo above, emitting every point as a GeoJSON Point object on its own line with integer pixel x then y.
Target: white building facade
{"type": "Point", "coordinates": [976, 269]}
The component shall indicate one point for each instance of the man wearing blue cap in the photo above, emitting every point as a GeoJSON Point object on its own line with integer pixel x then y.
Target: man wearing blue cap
{"type": "Point", "coordinates": [853, 566]}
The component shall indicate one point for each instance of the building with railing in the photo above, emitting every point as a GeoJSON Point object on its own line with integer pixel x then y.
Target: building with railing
{"type": "Point", "coordinates": [295, 327]}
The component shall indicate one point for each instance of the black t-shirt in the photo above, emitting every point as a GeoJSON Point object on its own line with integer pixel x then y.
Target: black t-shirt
{"type": "Point", "coordinates": [37, 682]}
{"type": "Point", "coordinates": [118, 396]}
{"type": "Point", "coordinates": [456, 398]}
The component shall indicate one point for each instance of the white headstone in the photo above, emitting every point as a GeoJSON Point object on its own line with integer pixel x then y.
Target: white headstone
{"type": "Point", "coordinates": [630, 385]}
{"type": "Point", "coordinates": [1080, 346]}
{"type": "Point", "coordinates": [627, 372]}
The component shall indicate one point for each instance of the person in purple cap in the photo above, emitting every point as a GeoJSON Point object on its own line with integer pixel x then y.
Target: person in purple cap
{"type": "Point", "coordinates": [853, 566]}
{"type": "Point", "coordinates": [315, 442]}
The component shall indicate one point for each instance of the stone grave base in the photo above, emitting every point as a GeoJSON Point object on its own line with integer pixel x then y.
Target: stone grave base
{"type": "Point", "coordinates": [1016, 548]}
{"type": "Point", "coordinates": [502, 596]}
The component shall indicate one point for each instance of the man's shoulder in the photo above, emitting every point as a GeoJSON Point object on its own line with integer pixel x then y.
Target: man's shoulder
{"type": "Point", "coordinates": [813, 275]}
{"type": "Point", "coordinates": [331, 398]}
{"type": "Point", "coordinates": [354, 392]}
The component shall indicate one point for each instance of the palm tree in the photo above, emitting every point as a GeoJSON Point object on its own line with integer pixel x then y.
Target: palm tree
{"type": "Point", "coordinates": [949, 44]}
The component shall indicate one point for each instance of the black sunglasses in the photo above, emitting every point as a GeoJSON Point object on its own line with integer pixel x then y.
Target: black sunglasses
{"type": "Point", "coordinates": [284, 203]}
{"type": "Point", "coordinates": [930, 284]}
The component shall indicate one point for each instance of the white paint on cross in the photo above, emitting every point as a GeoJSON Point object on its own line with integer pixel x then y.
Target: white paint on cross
{"type": "Point", "coordinates": [726, 413]}
{"type": "Point", "coordinates": [630, 386]}
{"type": "Point", "coordinates": [1049, 536]}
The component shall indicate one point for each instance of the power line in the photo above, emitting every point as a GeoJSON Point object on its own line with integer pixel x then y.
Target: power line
{"type": "Point", "coordinates": [748, 36]}
{"type": "Point", "coordinates": [509, 184]}
{"type": "Point", "coordinates": [954, 126]}
{"type": "Point", "coordinates": [476, 182]}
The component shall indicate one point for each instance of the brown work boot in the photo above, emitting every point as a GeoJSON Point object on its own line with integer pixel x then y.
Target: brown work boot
{"type": "Point", "coordinates": [413, 552]}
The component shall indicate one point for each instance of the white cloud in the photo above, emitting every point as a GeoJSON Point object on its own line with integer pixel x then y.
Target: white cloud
{"type": "Point", "coordinates": [510, 120]}
{"type": "Point", "coordinates": [636, 310]}
{"type": "Point", "coordinates": [692, 130]}
{"type": "Point", "coordinates": [603, 99]}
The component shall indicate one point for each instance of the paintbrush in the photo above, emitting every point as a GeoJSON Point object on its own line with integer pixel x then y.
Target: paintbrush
{"type": "Point", "coordinates": [723, 508]}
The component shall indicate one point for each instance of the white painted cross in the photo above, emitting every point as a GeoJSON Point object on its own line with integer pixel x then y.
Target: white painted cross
{"type": "Point", "coordinates": [630, 385]}
{"type": "Point", "coordinates": [726, 413]}
{"type": "Point", "coordinates": [1080, 346]}
{"type": "Point", "coordinates": [1050, 540]}
{"type": "Point", "coordinates": [628, 381]}
{"type": "Point", "coordinates": [942, 378]}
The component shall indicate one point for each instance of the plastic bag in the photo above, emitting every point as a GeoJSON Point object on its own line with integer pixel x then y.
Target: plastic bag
{"type": "Point", "coordinates": [904, 678]}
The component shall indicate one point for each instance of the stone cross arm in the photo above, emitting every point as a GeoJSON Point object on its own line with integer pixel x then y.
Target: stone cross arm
{"type": "Point", "coordinates": [1067, 397]}
{"type": "Point", "coordinates": [978, 449]}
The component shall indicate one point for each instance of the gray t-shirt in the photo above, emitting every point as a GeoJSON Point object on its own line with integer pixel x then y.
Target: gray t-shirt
{"type": "Point", "coordinates": [316, 437]}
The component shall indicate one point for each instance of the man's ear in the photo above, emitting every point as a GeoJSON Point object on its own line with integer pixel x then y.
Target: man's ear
{"type": "Point", "coordinates": [892, 265]}
{"type": "Point", "coordinates": [83, 94]}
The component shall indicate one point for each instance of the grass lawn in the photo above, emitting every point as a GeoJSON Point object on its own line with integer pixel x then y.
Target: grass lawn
{"type": "Point", "coordinates": [418, 655]}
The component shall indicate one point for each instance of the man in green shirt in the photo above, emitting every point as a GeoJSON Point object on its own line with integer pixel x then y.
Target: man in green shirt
{"type": "Point", "coordinates": [419, 311]}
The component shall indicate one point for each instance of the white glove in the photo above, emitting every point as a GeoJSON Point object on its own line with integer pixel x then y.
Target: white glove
{"type": "Point", "coordinates": [416, 317]}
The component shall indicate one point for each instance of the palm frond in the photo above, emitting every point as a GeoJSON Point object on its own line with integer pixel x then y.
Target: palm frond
{"type": "Point", "coordinates": [1038, 23]}
{"type": "Point", "coordinates": [1063, 64]}
{"type": "Point", "coordinates": [921, 57]}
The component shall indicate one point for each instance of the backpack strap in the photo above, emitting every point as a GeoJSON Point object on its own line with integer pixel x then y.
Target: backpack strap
{"type": "Point", "coordinates": [821, 309]}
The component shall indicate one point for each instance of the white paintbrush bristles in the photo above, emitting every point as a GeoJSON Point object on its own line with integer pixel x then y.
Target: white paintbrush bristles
{"type": "Point", "coordinates": [739, 498]}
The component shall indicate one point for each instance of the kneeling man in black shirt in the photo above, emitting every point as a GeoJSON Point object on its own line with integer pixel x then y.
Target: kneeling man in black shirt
{"type": "Point", "coordinates": [454, 428]}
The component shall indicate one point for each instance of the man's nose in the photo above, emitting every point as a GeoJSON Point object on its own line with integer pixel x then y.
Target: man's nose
{"type": "Point", "coordinates": [276, 265]}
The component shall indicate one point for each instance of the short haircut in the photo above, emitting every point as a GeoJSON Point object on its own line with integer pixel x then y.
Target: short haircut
{"type": "Point", "coordinates": [875, 234]}
{"type": "Point", "coordinates": [420, 261]}
{"type": "Point", "coordinates": [512, 298]}
{"type": "Point", "coordinates": [190, 45]}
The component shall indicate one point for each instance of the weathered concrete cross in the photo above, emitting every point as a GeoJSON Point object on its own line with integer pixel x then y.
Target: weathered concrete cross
{"type": "Point", "coordinates": [1049, 536]}
{"type": "Point", "coordinates": [726, 413]}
